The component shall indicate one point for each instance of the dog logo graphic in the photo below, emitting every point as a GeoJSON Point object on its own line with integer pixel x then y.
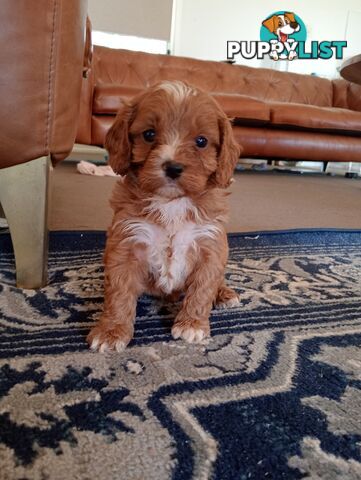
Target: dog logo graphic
{"type": "Point", "coordinates": [283, 36]}
{"type": "Point", "coordinates": [281, 26]}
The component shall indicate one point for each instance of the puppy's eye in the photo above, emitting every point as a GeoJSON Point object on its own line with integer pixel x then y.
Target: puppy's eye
{"type": "Point", "coordinates": [149, 135]}
{"type": "Point", "coordinates": [201, 141]}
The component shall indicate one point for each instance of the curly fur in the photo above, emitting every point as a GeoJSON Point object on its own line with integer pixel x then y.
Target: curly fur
{"type": "Point", "coordinates": [167, 236]}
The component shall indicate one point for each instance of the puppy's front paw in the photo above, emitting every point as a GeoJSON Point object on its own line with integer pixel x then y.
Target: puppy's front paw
{"type": "Point", "coordinates": [191, 331]}
{"type": "Point", "coordinates": [292, 55]}
{"type": "Point", "coordinates": [274, 55]}
{"type": "Point", "coordinates": [103, 338]}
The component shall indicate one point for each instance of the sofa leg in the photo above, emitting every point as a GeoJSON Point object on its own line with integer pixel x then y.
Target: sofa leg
{"type": "Point", "coordinates": [24, 197]}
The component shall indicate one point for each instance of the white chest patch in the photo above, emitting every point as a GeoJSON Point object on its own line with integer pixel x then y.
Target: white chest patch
{"type": "Point", "coordinates": [169, 243]}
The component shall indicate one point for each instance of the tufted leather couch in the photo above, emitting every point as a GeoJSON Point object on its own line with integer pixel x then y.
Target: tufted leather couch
{"type": "Point", "coordinates": [275, 114]}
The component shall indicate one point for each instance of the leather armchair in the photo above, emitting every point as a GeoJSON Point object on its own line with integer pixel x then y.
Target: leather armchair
{"type": "Point", "coordinates": [41, 64]}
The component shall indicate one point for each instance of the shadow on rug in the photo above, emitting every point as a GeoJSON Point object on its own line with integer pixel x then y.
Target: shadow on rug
{"type": "Point", "coordinates": [276, 392]}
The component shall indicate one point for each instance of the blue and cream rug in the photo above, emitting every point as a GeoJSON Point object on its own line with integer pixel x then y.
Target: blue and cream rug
{"type": "Point", "coordinates": [276, 392]}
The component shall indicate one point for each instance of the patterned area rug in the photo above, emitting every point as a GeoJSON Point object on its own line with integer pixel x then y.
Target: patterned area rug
{"type": "Point", "coordinates": [276, 392]}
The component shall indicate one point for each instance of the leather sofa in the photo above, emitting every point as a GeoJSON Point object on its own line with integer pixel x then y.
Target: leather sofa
{"type": "Point", "coordinates": [276, 115]}
{"type": "Point", "coordinates": [41, 63]}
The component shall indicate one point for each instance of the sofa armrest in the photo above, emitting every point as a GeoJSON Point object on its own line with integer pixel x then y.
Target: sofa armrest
{"type": "Point", "coordinates": [83, 134]}
{"type": "Point", "coordinates": [41, 61]}
{"type": "Point", "coordinates": [346, 95]}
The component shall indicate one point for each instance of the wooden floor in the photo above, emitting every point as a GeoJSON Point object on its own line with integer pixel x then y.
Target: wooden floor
{"type": "Point", "coordinates": [259, 201]}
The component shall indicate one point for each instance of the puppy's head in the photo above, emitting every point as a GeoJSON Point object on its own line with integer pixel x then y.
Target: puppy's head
{"type": "Point", "coordinates": [282, 25]}
{"type": "Point", "coordinates": [175, 140]}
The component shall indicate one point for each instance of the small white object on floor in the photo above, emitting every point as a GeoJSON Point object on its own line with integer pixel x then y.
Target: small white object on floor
{"type": "Point", "coordinates": [3, 223]}
{"type": "Point", "coordinates": [87, 168]}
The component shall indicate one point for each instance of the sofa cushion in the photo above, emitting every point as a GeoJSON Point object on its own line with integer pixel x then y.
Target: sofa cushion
{"type": "Point", "coordinates": [108, 99]}
{"type": "Point", "coordinates": [310, 117]}
{"type": "Point", "coordinates": [242, 108]}
{"type": "Point", "coordinates": [100, 125]}
{"type": "Point", "coordinates": [272, 143]}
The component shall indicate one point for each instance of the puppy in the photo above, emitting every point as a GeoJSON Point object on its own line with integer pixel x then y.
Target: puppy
{"type": "Point", "coordinates": [175, 148]}
{"type": "Point", "coordinates": [282, 26]}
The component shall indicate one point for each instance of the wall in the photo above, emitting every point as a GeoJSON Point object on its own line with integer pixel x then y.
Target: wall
{"type": "Point", "coordinates": [201, 28]}
{"type": "Point", "coordinates": [142, 18]}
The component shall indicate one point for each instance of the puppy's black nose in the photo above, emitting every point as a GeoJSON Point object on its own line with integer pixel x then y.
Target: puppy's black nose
{"type": "Point", "coordinates": [294, 24]}
{"type": "Point", "coordinates": [173, 170]}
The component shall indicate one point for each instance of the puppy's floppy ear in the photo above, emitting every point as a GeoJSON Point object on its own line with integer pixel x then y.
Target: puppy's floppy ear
{"type": "Point", "coordinates": [228, 154]}
{"type": "Point", "coordinates": [290, 16]}
{"type": "Point", "coordinates": [117, 140]}
{"type": "Point", "coordinates": [270, 23]}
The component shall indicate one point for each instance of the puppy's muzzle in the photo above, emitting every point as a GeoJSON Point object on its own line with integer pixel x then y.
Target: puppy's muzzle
{"type": "Point", "coordinates": [173, 170]}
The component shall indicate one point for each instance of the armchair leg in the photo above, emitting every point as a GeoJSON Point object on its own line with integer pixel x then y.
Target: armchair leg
{"type": "Point", "coordinates": [24, 197]}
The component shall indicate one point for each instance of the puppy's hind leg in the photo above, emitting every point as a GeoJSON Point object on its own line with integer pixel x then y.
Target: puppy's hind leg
{"type": "Point", "coordinates": [226, 297]}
